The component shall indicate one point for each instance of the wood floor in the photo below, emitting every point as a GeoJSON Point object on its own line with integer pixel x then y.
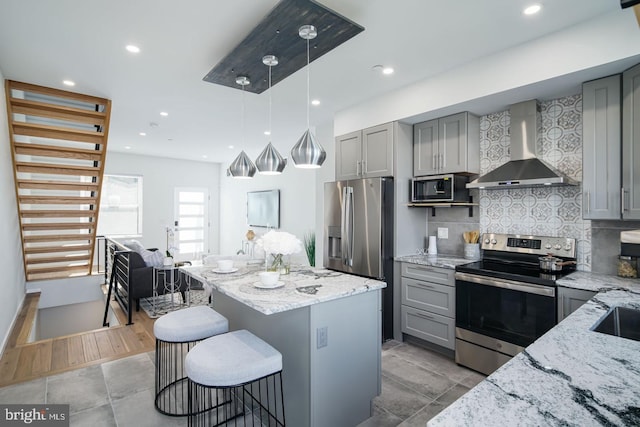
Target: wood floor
{"type": "Point", "coordinates": [23, 361]}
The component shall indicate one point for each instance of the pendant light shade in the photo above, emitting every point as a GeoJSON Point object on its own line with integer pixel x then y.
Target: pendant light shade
{"type": "Point", "coordinates": [270, 162]}
{"type": "Point", "coordinates": [308, 153]}
{"type": "Point", "coordinates": [242, 167]}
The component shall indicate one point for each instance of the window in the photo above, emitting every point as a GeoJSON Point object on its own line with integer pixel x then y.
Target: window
{"type": "Point", "coordinates": [121, 206]}
{"type": "Point", "coordinates": [192, 215]}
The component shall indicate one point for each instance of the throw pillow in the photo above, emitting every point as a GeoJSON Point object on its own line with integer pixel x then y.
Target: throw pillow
{"type": "Point", "coordinates": [134, 245]}
{"type": "Point", "coordinates": [152, 258]}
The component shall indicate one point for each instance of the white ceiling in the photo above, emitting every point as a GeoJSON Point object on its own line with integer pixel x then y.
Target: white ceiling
{"type": "Point", "coordinates": [45, 42]}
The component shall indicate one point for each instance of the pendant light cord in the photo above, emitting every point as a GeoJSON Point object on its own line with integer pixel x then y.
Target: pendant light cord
{"type": "Point", "coordinates": [270, 130]}
{"type": "Point", "coordinates": [242, 118]}
{"type": "Point", "coordinates": [308, 100]}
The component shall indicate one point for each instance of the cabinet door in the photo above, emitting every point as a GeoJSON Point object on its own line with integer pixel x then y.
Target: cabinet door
{"type": "Point", "coordinates": [452, 156]}
{"type": "Point", "coordinates": [348, 156]}
{"type": "Point", "coordinates": [601, 148]}
{"type": "Point", "coordinates": [431, 297]}
{"type": "Point", "coordinates": [377, 151]}
{"type": "Point", "coordinates": [425, 148]}
{"type": "Point", "coordinates": [443, 276]}
{"type": "Point", "coordinates": [569, 300]}
{"type": "Point", "coordinates": [427, 326]}
{"type": "Point", "coordinates": [631, 143]}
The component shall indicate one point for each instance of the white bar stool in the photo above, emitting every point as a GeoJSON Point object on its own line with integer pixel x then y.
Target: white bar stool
{"type": "Point", "coordinates": [176, 333]}
{"type": "Point", "coordinates": [231, 375]}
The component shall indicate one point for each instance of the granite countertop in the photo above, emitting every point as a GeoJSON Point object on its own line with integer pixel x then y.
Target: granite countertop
{"type": "Point", "coordinates": [302, 287]}
{"type": "Point", "coordinates": [571, 376]}
{"type": "Point", "coordinates": [442, 261]}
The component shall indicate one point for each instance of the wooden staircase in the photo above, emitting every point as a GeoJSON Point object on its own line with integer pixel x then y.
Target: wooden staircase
{"type": "Point", "coordinates": [58, 144]}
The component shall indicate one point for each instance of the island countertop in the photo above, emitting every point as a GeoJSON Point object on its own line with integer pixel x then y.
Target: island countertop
{"type": "Point", "coordinates": [569, 376]}
{"type": "Point", "coordinates": [302, 287]}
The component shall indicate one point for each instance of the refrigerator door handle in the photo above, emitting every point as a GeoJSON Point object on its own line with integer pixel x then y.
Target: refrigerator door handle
{"type": "Point", "coordinates": [347, 226]}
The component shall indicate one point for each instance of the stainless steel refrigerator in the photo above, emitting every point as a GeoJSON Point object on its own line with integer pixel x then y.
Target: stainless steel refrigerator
{"type": "Point", "coordinates": [358, 234]}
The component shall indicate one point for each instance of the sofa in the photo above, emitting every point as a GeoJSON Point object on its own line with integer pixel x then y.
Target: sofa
{"type": "Point", "coordinates": [131, 277]}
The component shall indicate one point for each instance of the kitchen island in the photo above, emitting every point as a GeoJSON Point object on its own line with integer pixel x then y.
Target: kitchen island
{"type": "Point", "coordinates": [326, 324]}
{"type": "Point", "coordinates": [569, 376]}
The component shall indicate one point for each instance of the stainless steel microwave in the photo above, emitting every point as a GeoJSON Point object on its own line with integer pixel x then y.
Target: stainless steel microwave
{"type": "Point", "coordinates": [441, 188]}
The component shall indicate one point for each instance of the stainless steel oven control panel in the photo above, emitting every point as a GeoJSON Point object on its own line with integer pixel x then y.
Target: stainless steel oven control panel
{"type": "Point", "coordinates": [527, 244]}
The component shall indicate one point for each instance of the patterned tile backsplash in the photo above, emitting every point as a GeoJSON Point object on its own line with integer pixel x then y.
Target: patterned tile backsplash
{"type": "Point", "coordinates": [546, 211]}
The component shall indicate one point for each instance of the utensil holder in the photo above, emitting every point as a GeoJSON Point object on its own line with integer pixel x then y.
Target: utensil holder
{"type": "Point", "coordinates": [472, 251]}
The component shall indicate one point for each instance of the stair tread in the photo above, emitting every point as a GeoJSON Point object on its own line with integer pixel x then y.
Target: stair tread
{"type": "Point", "coordinates": [59, 226]}
{"type": "Point", "coordinates": [32, 238]}
{"type": "Point", "coordinates": [62, 112]}
{"type": "Point", "coordinates": [44, 150]}
{"type": "Point", "coordinates": [36, 270]}
{"type": "Point", "coordinates": [58, 259]}
{"type": "Point", "coordinates": [59, 213]}
{"type": "Point", "coordinates": [54, 249]}
{"type": "Point", "coordinates": [57, 185]}
{"type": "Point", "coordinates": [27, 87]}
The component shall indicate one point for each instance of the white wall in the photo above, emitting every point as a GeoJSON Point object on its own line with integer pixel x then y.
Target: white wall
{"type": "Point", "coordinates": [298, 199]}
{"type": "Point", "coordinates": [13, 279]}
{"type": "Point", "coordinates": [160, 177]}
{"type": "Point", "coordinates": [507, 75]}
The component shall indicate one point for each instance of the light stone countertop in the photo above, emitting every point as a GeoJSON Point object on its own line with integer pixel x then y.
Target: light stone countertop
{"type": "Point", "coordinates": [442, 261]}
{"type": "Point", "coordinates": [304, 286]}
{"type": "Point", "coordinates": [571, 376]}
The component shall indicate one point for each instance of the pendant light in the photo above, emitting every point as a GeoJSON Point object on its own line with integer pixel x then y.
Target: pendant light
{"type": "Point", "coordinates": [307, 153]}
{"type": "Point", "coordinates": [242, 167]}
{"type": "Point", "coordinates": [270, 162]}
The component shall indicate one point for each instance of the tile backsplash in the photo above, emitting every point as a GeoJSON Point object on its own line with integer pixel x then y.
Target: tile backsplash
{"type": "Point", "coordinates": [547, 211]}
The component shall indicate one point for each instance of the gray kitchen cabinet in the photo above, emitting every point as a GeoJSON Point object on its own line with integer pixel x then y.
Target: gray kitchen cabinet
{"type": "Point", "coordinates": [631, 143]}
{"type": "Point", "coordinates": [601, 148]}
{"type": "Point", "coordinates": [447, 145]}
{"type": "Point", "coordinates": [569, 300]}
{"type": "Point", "coordinates": [428, 303]}
{"type": "Point", "coordinates": [365, 154]}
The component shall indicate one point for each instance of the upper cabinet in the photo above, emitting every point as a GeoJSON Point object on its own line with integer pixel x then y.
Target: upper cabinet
{"type": "Point", "coordinates": [365, 154]}
{"type": "Point", "coordinates": [631, 143]}
{"type": "Point", "coordinates": [447, 145]}
{"type": "Point", "coordinates": [607, 193]}
{"type": "Point", "coordinates": [601, 148]}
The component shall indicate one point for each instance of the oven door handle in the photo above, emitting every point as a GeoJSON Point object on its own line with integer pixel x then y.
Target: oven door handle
{"type": "Point", "coordinates": [507, 284]}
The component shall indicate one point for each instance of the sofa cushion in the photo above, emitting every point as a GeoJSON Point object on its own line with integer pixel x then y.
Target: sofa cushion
{"type": "Point", "coordinates": [150, 258]}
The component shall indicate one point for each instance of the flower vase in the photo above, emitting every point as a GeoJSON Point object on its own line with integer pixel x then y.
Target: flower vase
{"type": "Point", "coordinates": [278, 262]}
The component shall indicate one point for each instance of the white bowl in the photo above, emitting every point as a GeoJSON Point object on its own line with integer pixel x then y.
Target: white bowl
{"type": "Point", "coordinates": [269, 278]}
{"type": "Point", "coordinates": [225, 264]}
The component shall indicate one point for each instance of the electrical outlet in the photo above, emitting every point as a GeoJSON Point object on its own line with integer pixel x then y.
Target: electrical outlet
{"type": "Point", "coordinates": [321, 337]}
{"type": "Point", "coordinates": [443, 233]}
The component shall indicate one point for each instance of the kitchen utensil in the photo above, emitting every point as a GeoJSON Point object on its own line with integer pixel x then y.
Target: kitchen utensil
{"type": "Point", "coordinates": [551, 263]}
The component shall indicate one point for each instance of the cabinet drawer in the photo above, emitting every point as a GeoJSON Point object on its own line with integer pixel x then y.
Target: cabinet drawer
{"type": "Point", "coordinates": [434, 298]}
{"type": "Point", "coordinates": [443, 276]}
{"type": "Point", "coordinates": [429, 327]}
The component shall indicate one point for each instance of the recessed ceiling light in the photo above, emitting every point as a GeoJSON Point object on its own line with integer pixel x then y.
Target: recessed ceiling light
{"type": "Point", "coordinates": [68, 83]}
{"type": "Point", "coordinates": [532, 10]}
{"type": "Point", "coordinates": [132, 48]}
{"type": "Point", "coordinates": [387, 70]}
{"type": "Point", "coordinates": [142, 134]}
{"type": "Point", "coordinates": [231, 147]}
{"type": "Point", "coordinates": [164, 113]}
{"type": "Point", "coordinates": [204, 156]}
{"type": "Point", "coordinates": [126, 147]}
{"type": "Point", "coordinates": [315, 102]}
{"type": "Point", "coordinates": [266, 132]}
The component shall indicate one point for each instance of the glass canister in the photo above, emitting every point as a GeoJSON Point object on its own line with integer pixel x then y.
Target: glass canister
{"type": "Point", "coordinates": [627, 266]}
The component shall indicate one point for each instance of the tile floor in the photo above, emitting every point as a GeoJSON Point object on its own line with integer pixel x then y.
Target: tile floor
{"type": "Point", "coordinates": [417, 384]}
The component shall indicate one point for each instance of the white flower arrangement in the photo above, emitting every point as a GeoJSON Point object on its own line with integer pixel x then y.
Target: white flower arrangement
{"type": "Point", "coordinates": [279, 242]}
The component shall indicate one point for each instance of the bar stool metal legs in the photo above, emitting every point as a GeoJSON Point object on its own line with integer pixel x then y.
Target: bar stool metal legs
{"type": "Point", "coordinates": [235, 379]}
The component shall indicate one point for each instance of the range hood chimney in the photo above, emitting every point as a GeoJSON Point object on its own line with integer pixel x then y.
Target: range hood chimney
{"type": "Point", "coordinates": [524, 169]}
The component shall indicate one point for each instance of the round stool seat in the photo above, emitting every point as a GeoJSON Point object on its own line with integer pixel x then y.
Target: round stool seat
{"type": "Point", "coordinates": [190, 324]}
{"type": "Point", "coordinates": [231, 359]}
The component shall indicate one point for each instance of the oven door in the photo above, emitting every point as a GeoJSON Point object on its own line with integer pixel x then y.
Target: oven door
{"type": "Point", "coordinates": [512, 312]}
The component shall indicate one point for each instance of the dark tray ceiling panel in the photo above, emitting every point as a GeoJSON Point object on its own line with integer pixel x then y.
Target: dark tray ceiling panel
{"type": "Point", "coordinates": [277, 34]}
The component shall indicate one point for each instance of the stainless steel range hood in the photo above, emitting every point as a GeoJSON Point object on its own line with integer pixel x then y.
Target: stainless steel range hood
{"type": "Point", "coordinates": [524, 169]}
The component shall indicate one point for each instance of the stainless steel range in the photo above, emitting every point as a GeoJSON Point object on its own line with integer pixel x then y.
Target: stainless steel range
{"type": "Point", "coordinates": [505, 301]}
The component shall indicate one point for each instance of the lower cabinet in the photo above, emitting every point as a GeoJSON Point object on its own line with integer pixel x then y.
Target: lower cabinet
{"type": "Point", "coordinates": [428, 304]}
{"type": "Point", "coordinates": [569, 300]}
